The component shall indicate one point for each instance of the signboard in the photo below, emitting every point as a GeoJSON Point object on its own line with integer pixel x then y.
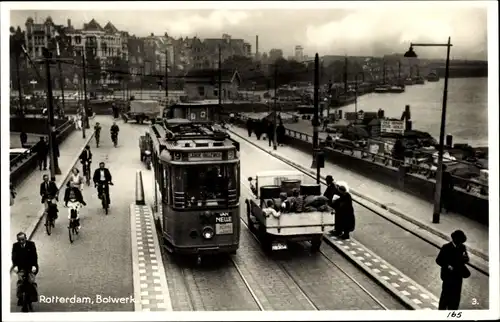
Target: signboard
{"type": "Point", "coordinates": [223, 224]}
{"type": "Point", "coordinates": [392, 126]}
{"type": "Point", "coordinates": [204, 156]}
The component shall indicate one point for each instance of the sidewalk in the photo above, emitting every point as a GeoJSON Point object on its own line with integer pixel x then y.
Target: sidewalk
{"type": "Point", "coordinates": [27, 209]}
{"type": "Point", "coordinates": [397, 202]}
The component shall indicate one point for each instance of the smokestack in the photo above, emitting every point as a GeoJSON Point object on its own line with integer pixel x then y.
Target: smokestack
{"type": "Point", "coordinates": [257, 45]}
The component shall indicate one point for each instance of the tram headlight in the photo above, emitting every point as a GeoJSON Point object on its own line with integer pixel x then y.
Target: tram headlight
{"type": "Point", "coordinates": [230, 155]}
{"type": "Point", "coordinates": [208, 232]}
{"type": "Point", "coordinates": [177, 156]}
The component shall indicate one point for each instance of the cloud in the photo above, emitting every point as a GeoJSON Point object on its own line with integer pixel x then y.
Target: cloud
{"type": "Point", "coordinates": [218, 20]}
{"type": "Point", "coordinates": [368, 31]}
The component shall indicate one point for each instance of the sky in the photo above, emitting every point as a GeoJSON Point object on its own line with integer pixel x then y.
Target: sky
{"type": "Point", "coordinates": [356, 31]}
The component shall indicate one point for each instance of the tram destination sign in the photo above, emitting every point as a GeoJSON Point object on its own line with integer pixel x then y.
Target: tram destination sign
{"type": "Point", "coordinates": [204, 156]}
{"type": "Point", "coordinates": [223, 224]}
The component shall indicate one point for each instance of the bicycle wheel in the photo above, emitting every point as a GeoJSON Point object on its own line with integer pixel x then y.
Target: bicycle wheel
{"type": "Point", "coordinates": [48, 225]}
{"type": "Point", "coordinates": [70, 232]}
{"type": "Point", "coordinates": [105, 203]}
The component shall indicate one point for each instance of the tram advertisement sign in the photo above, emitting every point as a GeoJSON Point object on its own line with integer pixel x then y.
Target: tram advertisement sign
{"type": "Point", "coordinates": [392, 126]}
{"type": "Point", "coordinates": [223, 223]}
{"type": "Point", "coordinates": [204, 156]}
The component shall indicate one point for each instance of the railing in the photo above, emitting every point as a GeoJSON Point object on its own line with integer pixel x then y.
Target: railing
{"type": "Point", "coordinates": [471, 186]}
{"type": "Point", "coordinates": [27, 160]}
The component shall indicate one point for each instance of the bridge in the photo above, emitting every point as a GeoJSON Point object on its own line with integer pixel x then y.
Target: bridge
{"type": "Point", "coordinates": [117, 263]}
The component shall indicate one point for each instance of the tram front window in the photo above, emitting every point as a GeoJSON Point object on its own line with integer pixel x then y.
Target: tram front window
{"type": "Point", "coordinates": [206, 185]}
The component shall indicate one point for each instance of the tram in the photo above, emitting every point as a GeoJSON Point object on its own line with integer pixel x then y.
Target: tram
{"type": "Point", "coordinates": [197, 173]}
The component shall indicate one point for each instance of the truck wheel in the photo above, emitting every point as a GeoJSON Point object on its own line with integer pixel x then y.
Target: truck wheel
{"type": "Point", "coordinates": [316, 244]}
{"type": "Point", "coordinates": [137, 119]}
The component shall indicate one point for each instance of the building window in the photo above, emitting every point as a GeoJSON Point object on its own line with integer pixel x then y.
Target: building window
{"type": "Point", "coordinates": [201, 90]}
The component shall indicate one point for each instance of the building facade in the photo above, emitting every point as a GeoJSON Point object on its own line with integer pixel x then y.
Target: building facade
{"type": "Point", "coordinates": [202, 84]}
{"type": "Point", "coordinates": [38, 35]}
{"type": "Point", "coordinates": [299, 53]}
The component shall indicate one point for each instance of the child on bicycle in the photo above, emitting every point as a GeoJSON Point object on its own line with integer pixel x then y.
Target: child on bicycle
{"type": "Point", "coordinates": [74, 206]}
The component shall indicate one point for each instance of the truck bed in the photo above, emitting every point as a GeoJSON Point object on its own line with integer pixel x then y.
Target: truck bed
{"type": "Point", "coordinates": [289, 224]}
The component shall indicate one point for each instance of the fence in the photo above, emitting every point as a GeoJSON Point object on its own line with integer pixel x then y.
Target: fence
{"type": "Point", "coordinates": [22, 165]}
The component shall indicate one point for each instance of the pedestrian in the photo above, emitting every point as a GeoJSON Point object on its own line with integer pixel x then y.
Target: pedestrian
{"type": "Point", "coordinates": [24, 138]}
{"type": "Point", "coordinates": [258, 129]}
{"type": "Point", "coordinates": [452, 259]}
{"type": "Point", "coordinates": [330, 192]}
{"type": "Point", "coordinates": [250, 126]}
{"type": "Point", "coordinates": [42, 150]}
{"type": "Point", "coordinates": [280, 133]}
{"type": "Point", "coordinates": [79, 121]}
{"type": "Point", "coordinates": [270, 132]}
{"type": "Point", "coordinates": [446, 190]}
{"type": "Point", "coordinates": [115, 110]}
{"type": "Point", "coordinates": [344, 212]}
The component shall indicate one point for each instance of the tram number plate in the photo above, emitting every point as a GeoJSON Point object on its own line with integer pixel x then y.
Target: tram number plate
{"type": "Point", "coordinates": [279, 246]}
{"type": "Point", "coordinates": [224, 229]}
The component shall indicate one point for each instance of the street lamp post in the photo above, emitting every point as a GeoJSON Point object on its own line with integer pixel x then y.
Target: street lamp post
{"type": "Point", "coordinates": [16, 43]}
{"type": "Point", "coordinates": [439, 176]}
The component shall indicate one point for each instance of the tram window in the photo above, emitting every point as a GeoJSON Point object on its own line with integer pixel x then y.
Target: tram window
{"type": "Point", "coordinates": [204, 184]}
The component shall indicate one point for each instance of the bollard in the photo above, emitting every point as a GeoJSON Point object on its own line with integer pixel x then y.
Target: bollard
{"type": "Point", "coordinates": [139, 190]}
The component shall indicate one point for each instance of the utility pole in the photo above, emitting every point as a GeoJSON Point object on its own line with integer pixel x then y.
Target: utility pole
{"type": "Point", "coordinates": [219, 92]}
{"type": "Point", "coordinates": [316, 118]}
{"type": "Point", "coordinates": [54, 165]}
{"type": "Point", "coordinates": [275, 118]}
{"type": "Point", "coordinates": [61, 80]}
{"type": "Point", "coordinates": [166, 74]}
{"type": "Point", "coordinates": [85, 106]}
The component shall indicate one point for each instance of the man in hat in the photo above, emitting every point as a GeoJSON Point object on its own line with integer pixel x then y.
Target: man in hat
{"type": "Point", "coordinates": [452, 259]}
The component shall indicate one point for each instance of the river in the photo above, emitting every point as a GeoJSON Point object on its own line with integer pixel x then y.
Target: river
{"type": "Point", "coordinates": [467, 111]}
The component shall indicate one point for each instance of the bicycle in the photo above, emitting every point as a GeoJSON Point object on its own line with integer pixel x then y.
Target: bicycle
{"type": "Point", "coordinates": [49, 223]}
{"type": "Point", "coordinates": [86, 172]}
{"type": "Point", "coordinates": [102, 195]}
{"type": "Point", "coordinates": [26, 299]}
{"type": "Point", "coordinates": [72, 230]}
{"type": "Point", "coordinates": [114, 138]}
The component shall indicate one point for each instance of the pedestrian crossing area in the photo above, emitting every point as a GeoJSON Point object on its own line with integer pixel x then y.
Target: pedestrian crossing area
{"type": "Point", "coordinates": [150, 284]}
{"type": "Point", "coordinates": [413, 294]}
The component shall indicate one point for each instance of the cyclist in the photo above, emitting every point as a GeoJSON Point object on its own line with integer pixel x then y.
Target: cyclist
{"type": "Point", "coordinates": [102, 178]}
{"type": "Point", "coordinates": [114, 132]}
{"type": "Point", "coordinates": [76, 179]}
{"type": "Point", "coordinates": [25, 263]}
{"type": "Point", "coordinates": [86, 158]}
{"type": "Point", "coordinates": [97, 130]}
{"type": "Point", "coordinates": [48, 190]}
{"type": "Point", "coordinates": [52, 210]}
{"type": "Point", "coordinates": [74, 206]}
{"type": "Point", "coordinates": [77, 194]}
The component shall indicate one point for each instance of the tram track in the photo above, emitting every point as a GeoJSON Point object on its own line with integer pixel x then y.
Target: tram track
{"type": "Point", "coordinates": [406, 242]}
{"type": "Point", "coordinates": [301, 263]}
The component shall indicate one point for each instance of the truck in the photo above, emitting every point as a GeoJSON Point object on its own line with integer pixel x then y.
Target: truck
{"type": "Point", "coordinates": [275, 232]}
{"type": "Point", "coordinates": [142, 110]}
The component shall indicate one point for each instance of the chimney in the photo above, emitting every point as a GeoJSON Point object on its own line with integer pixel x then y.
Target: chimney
{"type": "Point", "coordinates": [257, 45]}
{"type": "Point", "coordinates": [69, 23]}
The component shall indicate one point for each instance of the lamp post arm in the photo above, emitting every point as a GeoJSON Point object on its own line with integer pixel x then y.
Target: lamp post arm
{"type": "Point", "coordinates": [430, 45]}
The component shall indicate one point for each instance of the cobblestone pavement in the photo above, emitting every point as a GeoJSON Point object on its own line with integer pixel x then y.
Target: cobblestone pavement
{"type": "Point", "coordinates": [150, 285]}
{"type": "Point", "coordinates": [98, 265]}
{"type": "Point", "coordinates": [409, 254]}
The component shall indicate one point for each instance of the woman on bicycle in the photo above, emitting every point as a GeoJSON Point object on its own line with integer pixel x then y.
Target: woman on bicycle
{"type": "Point", "coordinates": [76, 179]}
{"type": "Point", "coordinates": [72, 191]}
